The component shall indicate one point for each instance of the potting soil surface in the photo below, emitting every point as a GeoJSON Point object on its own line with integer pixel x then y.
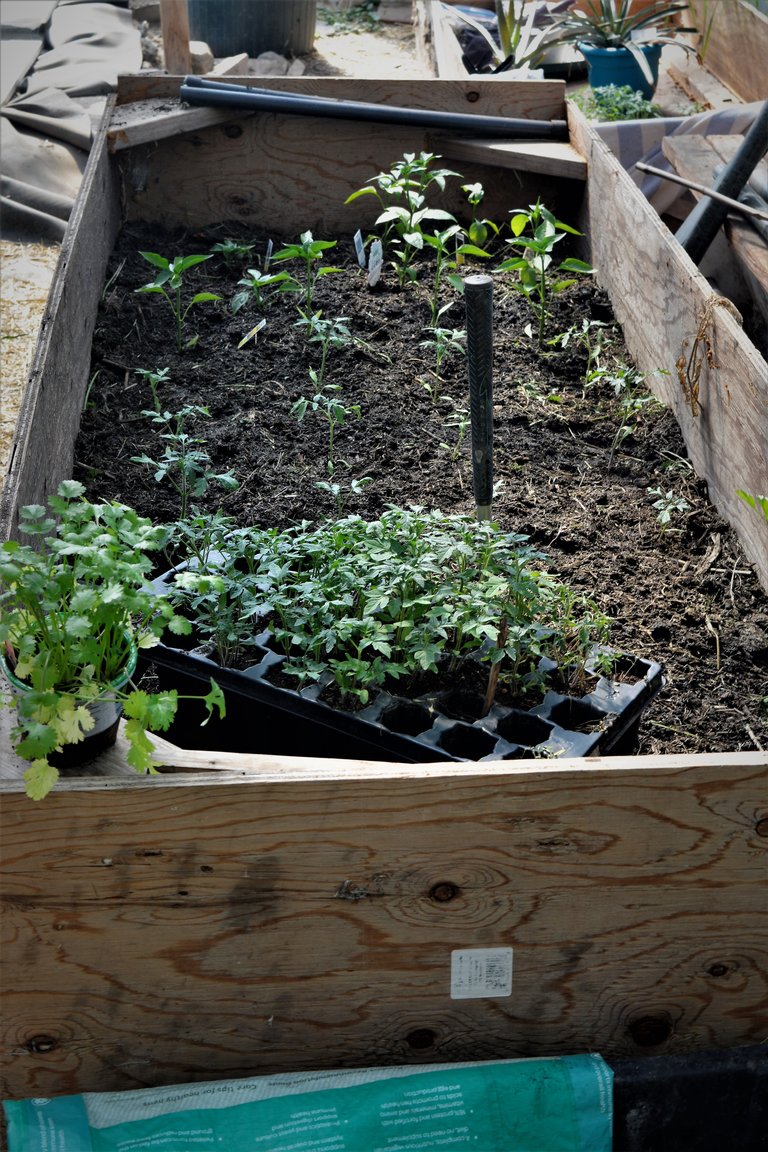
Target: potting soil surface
{"type": "Point", "coordinates": [578, 467]}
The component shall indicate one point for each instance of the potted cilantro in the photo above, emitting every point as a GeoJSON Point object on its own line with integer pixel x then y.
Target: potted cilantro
{"type": "Point", "coordinates": [74, 611]}
{"type": "Point", "coordinates": [621, 41]}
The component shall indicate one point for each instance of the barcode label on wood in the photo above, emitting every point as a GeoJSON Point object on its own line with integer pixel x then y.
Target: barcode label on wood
{"type": "Point", "coordinates": [481, 972]}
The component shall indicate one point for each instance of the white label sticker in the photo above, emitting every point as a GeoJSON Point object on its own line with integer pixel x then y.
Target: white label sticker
{"type": "Point", "coordinates": [481, 972]}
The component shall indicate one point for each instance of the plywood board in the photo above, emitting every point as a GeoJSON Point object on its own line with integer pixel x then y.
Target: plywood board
{"type": "Point", "coordinates": [662, 301]}
{"type": "Point", "coordinates": [49, 417]}
{"type": "Point", "coordinates": [300, 169]}
{"type": "Point", "coordinates": [180, 930]}
{"type": "Point", "coordinates": [735, 49]}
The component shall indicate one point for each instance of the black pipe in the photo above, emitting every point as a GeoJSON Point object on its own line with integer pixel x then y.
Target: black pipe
{"type": "Point", "coordinates": [478, 297]}
{"type": "Point", "coordinates": [196, 91]}
{"type": "Point", "coordinates": [697, 232]}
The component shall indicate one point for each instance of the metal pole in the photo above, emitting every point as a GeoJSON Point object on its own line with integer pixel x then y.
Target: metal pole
{"type": "Point", "coordinates": [697, 232]}
{"type": "Point", "coordinates": [478, 296]}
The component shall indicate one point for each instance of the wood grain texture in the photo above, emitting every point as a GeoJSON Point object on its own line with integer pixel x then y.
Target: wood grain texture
{"type": "Point", "coordinates": [150, 120]}
{"type": "Point", "coordinates": [659, 297]}
{"type": "Point", "coordinates": [177, 930]}
{"type": "Point", "coordinates": [174, 22]}
{"type": "Point", "coordinates": [529, 99]}
{"type": "Point", "coordinates": [554, 158]}
{"type": "Point", "coordinates": [737, 48]}
{"type": "Point", "coordinates": [49, 416]}
{"type": "Point", "coordinates": [299, 170]}
{"type": "Point", "coordinates": [696, 157]}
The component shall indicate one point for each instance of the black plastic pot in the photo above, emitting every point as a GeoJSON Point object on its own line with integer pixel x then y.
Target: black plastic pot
{"type": "Point", "coordinates": [271, 719]}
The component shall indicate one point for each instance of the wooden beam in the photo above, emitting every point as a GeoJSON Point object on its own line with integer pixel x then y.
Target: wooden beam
{"type": "Point", "coordinates": [174, 22]}
{"type": "Point", "coordinates": [181, 929]}
{"type": "Point", "coordinates": [736, 48]}
{"type": "Point", "coordinates": [662, 301]}
{"type": "Point", "coordinates": [696, 157]}
{"type": "Point", "coordinates": [551, 157]}
{"type": "Point", "coordinates": [148, 120]}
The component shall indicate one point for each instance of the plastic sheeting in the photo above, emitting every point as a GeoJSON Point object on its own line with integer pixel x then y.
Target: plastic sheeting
{"type": "Point", "coordinates": [74, 50]}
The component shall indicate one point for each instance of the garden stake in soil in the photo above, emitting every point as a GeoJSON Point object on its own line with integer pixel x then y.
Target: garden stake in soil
{"type": "Point", "coordinates": [478, 294]}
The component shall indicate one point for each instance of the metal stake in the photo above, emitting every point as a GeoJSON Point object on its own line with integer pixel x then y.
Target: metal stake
{"type": "Point", "coordinates": [478, 296]}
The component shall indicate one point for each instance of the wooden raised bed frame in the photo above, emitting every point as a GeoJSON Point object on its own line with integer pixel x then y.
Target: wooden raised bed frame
{"type": "Point", "coordinates": [247, 914]}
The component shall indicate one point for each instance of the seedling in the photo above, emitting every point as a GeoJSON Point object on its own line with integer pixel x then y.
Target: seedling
{"type": "Point", "coordinates": [341, 492]}
{"type": "Point", "coordinates": [185, 465]}
{"type": "Point", "coordinates": [533, 266]}
{"type": "Point", "coordinates": [331, 408]}
{"type": "Point", "coordinates": [372, 601]}
{"type": "Point", "coordinates": [478, 230]}
{"type": "Point", "coordinates": [329, 334]}
{"type": "Point", "coordinates": [756, 502]}
{"type": "Point", "coordinates": [154, 379]}
{"type": "Point", "coordinates": [401, 192]}
{"type": "Point", "coordinates": [669, 504]}
{"type": "Point", "coordinates": [256, 288]}
{"type": "Point", "coordinates": [445, 342]}
{"type": "Point", "coordinates": [459, 420]}
{"type": "Point", "coordinates": [447, 257]}
{"type": "Point", "coordinates": [169, 282]}
{"type": "Point", "coordinates": [594, 337]}
{"type": "Point", "coordinates": [310, 252]}
{"type": "Point", "coordinates": [233, 251]}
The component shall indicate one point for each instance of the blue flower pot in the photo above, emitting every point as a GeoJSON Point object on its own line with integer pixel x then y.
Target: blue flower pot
{"type": "Point", "coordinates": [618, 66]}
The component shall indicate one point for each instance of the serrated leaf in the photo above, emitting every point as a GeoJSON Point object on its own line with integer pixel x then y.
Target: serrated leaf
{"type": "Point", "coordinates": [161, 709]}
{"type": "Point", "coordinates": [39, 779]}
{"type": "Point", "coordinates": [40, 739]}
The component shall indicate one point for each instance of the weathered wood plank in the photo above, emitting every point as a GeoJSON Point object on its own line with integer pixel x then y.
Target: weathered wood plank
{"type": "Point", "coordinates": [661, 300]}
{"type": "Point", "coordinates": [149, 120]}
{"type": "Point", "coordinates": [174, 22]}
{"type": "Point", "coordinates": [528, 99]}
{"type": "Point", "coordinates": [737, 44]}
{"type": "Point", "coordinates": [553, 157]}
{"type": "Point", "coordinates": [177, 930]}
{"type": "Point", "coordinates": [49, 416]}
{"type": "Point", "coordinates": [695, 157]}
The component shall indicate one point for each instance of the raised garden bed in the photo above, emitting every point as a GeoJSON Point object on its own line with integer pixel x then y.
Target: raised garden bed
{"type": "Point", "coordinates": [277, 912]}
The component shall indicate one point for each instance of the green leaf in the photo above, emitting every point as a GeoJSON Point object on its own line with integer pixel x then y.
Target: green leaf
{"type": "Point", "coordinates": [40, 739]}
{"type": "Point", "coordinates": [140, 753]}
{"type": "Point", "coordinates": [202, 297]}
{"type": "Point", "coordinates": [39, 779]}
{"type": "Point", "coordinates": [161, 709]}
{"type": "Point", "coordinates": [70, 489]}
{"type": "Point", "coordinates": [156, 259]}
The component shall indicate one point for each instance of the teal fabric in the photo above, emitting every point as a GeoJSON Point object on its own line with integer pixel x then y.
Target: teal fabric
{"type": "Point", "coordinates": [562, 1104]}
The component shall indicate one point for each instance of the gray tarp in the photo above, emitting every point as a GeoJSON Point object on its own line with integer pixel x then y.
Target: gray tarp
{"type": "Point", "coordinates": [59, 62]}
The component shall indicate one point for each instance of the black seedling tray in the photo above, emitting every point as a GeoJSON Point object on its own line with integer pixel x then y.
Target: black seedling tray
{"type": "Point", "coordinates": [267, 718]}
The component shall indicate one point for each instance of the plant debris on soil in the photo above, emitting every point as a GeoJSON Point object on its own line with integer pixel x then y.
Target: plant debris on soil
{"type": "Point", "coordinates": [578, 469]}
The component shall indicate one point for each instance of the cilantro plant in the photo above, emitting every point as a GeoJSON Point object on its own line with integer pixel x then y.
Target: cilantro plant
{"type": "Point", "coordinates": [168, 283]}
{"type": "Point", "coordinates": [74, 608]}
{"type": "Point", "coordinates": [535, 233]}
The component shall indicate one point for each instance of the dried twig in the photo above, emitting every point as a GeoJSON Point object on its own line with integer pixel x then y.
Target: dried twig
{"type": "Point", "coordinates": [689, 370]}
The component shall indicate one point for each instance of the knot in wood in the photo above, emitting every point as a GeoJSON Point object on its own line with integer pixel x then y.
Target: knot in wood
{"type": "Point", "coordinates": [443, 892]}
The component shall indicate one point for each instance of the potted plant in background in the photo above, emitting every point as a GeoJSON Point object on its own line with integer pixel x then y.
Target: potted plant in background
{"type": "Point", "coordinates": [74, 611]}
{"type": "Point", "coordinates": [621, 41]}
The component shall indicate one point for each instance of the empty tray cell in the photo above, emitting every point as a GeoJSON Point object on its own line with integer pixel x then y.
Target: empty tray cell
{"type": "Point", "coordinates": [407, 717]}
{"type": "Point", "coordinates": [577, 715]}
{"type": "Point", "coordinates": [461, 705]}
{"type": "Point", "coordinates": [523, 728]}
{"type": "Point", "coordinates": [467, 742]}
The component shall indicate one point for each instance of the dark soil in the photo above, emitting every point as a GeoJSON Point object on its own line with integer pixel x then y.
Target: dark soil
{"type": "Point", "coordinates": [684, 596]}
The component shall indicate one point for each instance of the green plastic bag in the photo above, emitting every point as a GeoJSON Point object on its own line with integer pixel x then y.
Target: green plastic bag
{"type": "Point", "coordinates": [558, 1104]}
